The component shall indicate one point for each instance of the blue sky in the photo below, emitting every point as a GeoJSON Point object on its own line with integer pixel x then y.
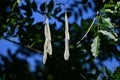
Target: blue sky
{"type": "Point", "coordinates": [5, 45]}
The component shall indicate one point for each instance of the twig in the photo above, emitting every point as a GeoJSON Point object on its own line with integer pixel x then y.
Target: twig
{"type": "Point", "coordinates": [24, 46]}
{"type": "Point", "coordinates": [87, 31]}
{"type": "Point", "coordinates": [83, 77]}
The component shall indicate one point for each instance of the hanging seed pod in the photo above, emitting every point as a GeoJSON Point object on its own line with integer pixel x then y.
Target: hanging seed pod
{"type": "Point", "coordinates": [47, 44]}
{"type": "Point", "coordinates": [45, 54]}
{"type": "Point", "coordinates": [67, 38]}
{"type": "Point", "coordinates": [49, 38]}
{"type": "Point", "coordinates": [66, 53]}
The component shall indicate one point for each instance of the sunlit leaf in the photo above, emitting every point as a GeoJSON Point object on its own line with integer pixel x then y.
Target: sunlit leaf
{"type": "Point", "coordinates": [18, 1]}
{"type": "Point", "coordinates": [108, 5]}
{"type": "Point", "coordinates": [108, 22]}
{"type": "Point", "coordinates": [107, 11]}
{"type": "Point", "coordinates": [95, 46]}
{"type": "Point", "coordinates": [117, 5]}
{"type": "Point", "coordinates": [109, 34]}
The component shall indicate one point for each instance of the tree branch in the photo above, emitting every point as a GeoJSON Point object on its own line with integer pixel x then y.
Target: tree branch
{"type": "Point", "coordinates": [24, 46]}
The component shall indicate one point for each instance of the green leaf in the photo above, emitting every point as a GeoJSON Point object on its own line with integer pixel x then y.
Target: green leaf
{"type": "Point", "coordinates": [109, 34]}
{"type": "Point", "coordinates": [107, 11]}
{"type": "Point", "coordinates": [108, 22]}
{"type": "Point", "coordinates": [18, 1]}
{"type": "Point", "coordinates": [12, 21]}
{"type": "Point", "coordinates": [116, 74]}
{"type": "Point", "coordinates": [34, 6]}
{"type": "Point", "coordinates": [95, 46]}
{"type": "Point", "coordinates": [42, 7]}
{"type": "Point", "coordinates": [108, 72]}
{"type": "Point", "coordinates": [108, 5]}
{"type": "Point", "coordinates": [50, 6]}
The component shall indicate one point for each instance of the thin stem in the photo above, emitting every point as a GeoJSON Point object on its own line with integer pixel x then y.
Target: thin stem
{"type": "Point", "coordinates": [87, 30]}
{"type": "Point", "coordinates": [14, 5]}
{"type": "Point", "coordinates": [83, 76]}
{"type": "Point", "coordinates": [98, 26]}
{"type": "Point", "coordinates": [24, 46]}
